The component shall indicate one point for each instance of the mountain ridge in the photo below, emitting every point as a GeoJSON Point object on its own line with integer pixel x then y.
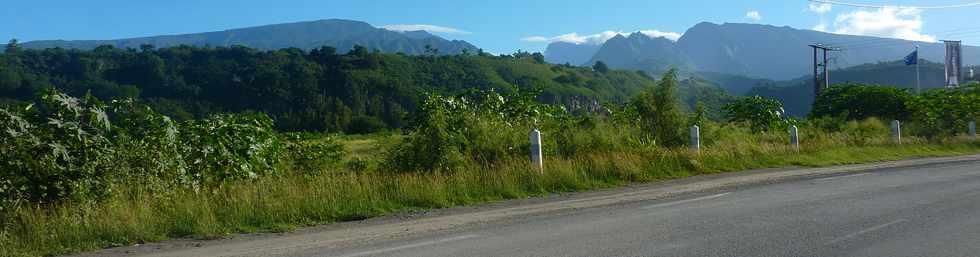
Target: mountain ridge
{"type": "Point", "coordinates": [338, 33]}
{"type": "Point", "coordinates": [765, 51]}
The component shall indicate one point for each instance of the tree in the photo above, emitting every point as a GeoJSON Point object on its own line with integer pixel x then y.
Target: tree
{"type": "Point", "coordinates": [762, 114]}
{"type": "Point", "coordinates": [660, 112]}
{"type": "Point", "coordinates": [601, 67]}
{"type": "Point", "coordinates": [12, 46]}
{"type": "Point", "coordinates": [538, 58]}
{"type": "Point", "coordinates": [147, 47]}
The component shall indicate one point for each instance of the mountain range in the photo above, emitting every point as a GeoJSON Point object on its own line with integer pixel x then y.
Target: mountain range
{"type": "Point", "coordinates": [750, 50]}
{"type": "Point", "coordinates": [337, 33]}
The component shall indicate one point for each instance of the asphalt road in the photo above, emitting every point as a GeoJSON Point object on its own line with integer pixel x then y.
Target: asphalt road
{"type": "Point", "coordinates": [931, 210]}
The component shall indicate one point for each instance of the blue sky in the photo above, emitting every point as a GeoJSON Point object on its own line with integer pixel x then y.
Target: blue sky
{"type": "Point", "coordinates": [499, 26]}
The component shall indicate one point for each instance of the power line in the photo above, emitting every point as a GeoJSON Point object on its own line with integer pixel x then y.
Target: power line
{"type": "Point", "coordinates": [961, 32]}
{"type": "Point", "coordinates": [889, 42]}
{"type": "Point", "coordinates": [878, 6]}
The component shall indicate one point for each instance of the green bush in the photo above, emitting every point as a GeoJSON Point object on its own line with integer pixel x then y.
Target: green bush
{"type": "Point", "coordinates": [365, 125]}
{"type": "Point", "coordinates": [231, 146]}
{"type": "Point", "coordinates": [314, 157]}
{"type": "Point", "coordinates": [860, 101]}
{"type": "Point", "coordinates": [477, 127]}
{"type": "Point", "coordinates": [62, 148]}
{"type": "Point", "coordinates": [762, 114]}
{"type": "Point", "coordinates": [56, 149]}
{"type": "Point", "coordinates": [945, 112]}
{"type": "Point", "coordinates": [659, 111]}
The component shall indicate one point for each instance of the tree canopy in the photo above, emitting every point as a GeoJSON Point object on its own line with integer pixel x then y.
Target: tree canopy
{"type": "Point", "coordinates": [317, 90]}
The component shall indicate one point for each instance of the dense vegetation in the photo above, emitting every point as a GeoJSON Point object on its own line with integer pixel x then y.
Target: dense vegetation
{"type": "Point", "coordinates": [319, 90]}
{"type": "Point", "coordinates": [934, 113]}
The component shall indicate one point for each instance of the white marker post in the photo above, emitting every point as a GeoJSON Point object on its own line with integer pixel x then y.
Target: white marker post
{"type": "Point", "coordinates": [897, 131]}
{"type": "Point", "coordinates": [973, 130]}
{"type": "Point", "coordinates": [536, 155]}
{"type": "Point", "coordinates": [794, 137]}
{"type": "Point", "coordinates": [696, 138]}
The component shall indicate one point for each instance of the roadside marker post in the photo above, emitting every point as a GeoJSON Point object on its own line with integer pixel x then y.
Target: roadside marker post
{"type": "Point", "coordinates": [794, 137]}
{"type": "Point", "coordinates": [536, 154]}
{"type": "Point", "coordinates": [973, 130]}
{"type": "Point", "coordinates": [696, 138]}
{"type": "Point", "coordinates": [897, 131]}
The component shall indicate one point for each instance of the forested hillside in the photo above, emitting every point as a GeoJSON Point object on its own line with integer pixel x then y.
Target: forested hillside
{"type": "Point", "coordinates": [319, 90]}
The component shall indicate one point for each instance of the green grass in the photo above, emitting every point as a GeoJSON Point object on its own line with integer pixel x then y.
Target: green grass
{"type": "Point", "coordinates": [286, 203]}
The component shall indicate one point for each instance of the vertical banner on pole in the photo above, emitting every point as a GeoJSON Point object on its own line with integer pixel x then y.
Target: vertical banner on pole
{"type": "Point", "coordinates": [972, 129]}
{"type": "Point", "coordinates": [536, 155]}
{"type": "Point", "coordinates": [954, 63]}
{"type": "Point", "coordinates": [794, 137]}
{"type": "Point", "coordinates": [696, 138]}
{"type": "Point", "coordinates": [897, 131]}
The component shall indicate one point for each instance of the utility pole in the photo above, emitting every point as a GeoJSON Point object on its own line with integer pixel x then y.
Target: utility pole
{"type": "Point", "coordinates": [820, 83]}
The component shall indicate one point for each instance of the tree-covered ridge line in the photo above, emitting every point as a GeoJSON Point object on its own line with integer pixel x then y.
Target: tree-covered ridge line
{"type": "Point", "coordinates": [318, 90]}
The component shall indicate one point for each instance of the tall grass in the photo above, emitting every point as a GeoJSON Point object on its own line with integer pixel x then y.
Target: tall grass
{"type": "Point", "coordinates": [282, 203]}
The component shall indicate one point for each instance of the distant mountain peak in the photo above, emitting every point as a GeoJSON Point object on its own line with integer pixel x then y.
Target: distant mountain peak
{"type": "Point", "coordinates": [745, 49]}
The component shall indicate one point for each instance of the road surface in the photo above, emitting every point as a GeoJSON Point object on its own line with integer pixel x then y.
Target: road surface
{"type": "Point", "coordinates": [920, 210]}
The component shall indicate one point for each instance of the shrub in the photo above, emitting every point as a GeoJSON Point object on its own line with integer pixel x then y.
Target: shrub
{"type": "Point", "coordinates": [762, 114]}
{"type": "Point", "coordinates": [232, 146]}
{"type": "Point", "coordinates": [659, 111]}
{"type": "Point", "coordinates": [476, 127]}
{"type": "Point", "coordinates": [365, 125]}
{"type": "Point", "coordinates": [314, 156]}
{"type": "Point", "coordinates": [61, 148]}
{"type": "Point", "coordinates": [945, 112]}
{"type": "Point", "coordinates": [56, 149]}
{"type": "Point", "coordinates": [860, 101]}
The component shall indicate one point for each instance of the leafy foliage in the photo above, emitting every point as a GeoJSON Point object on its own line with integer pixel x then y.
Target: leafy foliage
{"type": "Point", "coordinates": [660, 113]}
{"type": "Point", "coordinates": [62, 148]}
{"type": "Point", "coordinates": [762, 114]}
{"type": "Point", "coordinates": [57, 149]}
{"type": "Point", "coordinates": [451, 131]}
{"type": "Point", "coordinates": [946, 112]}
{"type": "Point", "coordinates": [860, 101]}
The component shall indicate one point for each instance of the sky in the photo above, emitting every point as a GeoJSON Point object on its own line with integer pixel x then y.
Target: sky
{"type": "Point", "coordinates": [497, 26]}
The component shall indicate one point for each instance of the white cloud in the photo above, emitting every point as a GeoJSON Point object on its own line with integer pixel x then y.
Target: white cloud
{"type": "Point", "coordinates": [901, 23]}
{"type": "Point", "coordinates": [599, 38]}
{"type": "Point", "coordinates": [753, 15]}
{"type": "Point", "coordinates": [656, 33]}
{"type": "Point", "coordinates": [822, 27]}
{"type": "Point", "coordinates": [820, 8]}
{"type": "Point", "coordinates": [535, 39]}
{"type": "Point", "coordinates": [426, 27]}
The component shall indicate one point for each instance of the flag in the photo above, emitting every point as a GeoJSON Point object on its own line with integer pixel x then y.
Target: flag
{"type": "Point", "coordinates": [913, 58]}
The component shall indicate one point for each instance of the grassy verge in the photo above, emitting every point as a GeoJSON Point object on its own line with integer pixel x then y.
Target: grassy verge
{"type": "Point", "coordinates": [287, 202]}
